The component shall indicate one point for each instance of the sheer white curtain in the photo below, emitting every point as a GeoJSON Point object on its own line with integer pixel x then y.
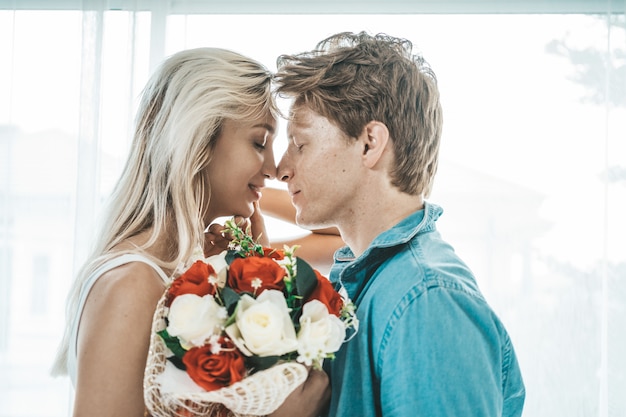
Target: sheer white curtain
{"type": "Point", "coordinates": [532, 176]}
{"type": "Point", "coordinates": [68, 84]}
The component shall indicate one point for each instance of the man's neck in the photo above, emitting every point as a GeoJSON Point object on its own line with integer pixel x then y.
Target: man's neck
{"type": "Point", "coordinates": [378, 213]}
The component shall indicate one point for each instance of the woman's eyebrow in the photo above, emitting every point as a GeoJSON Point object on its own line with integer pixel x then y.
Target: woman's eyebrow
{"type": "Point", "coordinates": [266, 126]}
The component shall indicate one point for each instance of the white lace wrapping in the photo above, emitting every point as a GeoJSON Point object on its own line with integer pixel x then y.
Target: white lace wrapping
{"type": "Point", "coordinates": [169, 394]}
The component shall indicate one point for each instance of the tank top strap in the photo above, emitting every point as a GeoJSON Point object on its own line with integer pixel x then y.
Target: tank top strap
{"type": "Point", "coordinates": [135, 257]}
{"type": "Point", "coordinates": [84, 292]}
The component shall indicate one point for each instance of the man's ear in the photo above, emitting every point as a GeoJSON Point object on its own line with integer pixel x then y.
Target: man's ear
{"type": "Point", "coordinates": [375, 137]}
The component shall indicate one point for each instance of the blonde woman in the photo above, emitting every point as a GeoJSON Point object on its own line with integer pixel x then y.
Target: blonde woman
{"type": "Point", "coordinates": [202, 149]}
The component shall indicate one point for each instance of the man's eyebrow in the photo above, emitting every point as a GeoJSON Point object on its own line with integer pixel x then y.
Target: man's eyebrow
{"type": "Point", "coordinates": [267, 126]}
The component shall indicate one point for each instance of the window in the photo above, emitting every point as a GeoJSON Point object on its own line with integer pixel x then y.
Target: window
{"type": "Point", "coordinates": [532, 176]}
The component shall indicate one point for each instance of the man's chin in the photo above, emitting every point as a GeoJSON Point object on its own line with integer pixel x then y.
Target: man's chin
{"type": "Point", "coordinates": [308, 223]}
{"type": "Point", "coordinates": [305, 226]}
{"type": "Point", "coordinates": [301, 221]}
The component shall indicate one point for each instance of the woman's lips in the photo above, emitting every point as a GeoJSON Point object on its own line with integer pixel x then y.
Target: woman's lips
{"type": "Point", "coordinates": [256, 190]}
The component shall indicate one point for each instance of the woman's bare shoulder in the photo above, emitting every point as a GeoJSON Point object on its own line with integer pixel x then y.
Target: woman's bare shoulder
{"type": "Point", "coordinates": [129, 280]}
{"type": "Point", "coordinates": [113, 340]}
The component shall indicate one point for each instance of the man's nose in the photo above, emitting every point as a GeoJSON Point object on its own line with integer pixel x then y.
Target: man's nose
{"type": "Point", "coordinates": [284, 171]}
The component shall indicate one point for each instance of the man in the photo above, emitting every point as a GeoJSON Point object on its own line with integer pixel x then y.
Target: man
{"type": "Point", "coordinates": [364, 132]}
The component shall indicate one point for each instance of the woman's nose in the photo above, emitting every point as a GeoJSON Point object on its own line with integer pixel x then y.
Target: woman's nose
{"type": "Point", "coordinates": [269, 168]}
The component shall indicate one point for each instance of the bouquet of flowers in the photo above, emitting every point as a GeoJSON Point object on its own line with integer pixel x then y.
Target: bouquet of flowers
{"type": "Point", "coordinates": [232, 333]}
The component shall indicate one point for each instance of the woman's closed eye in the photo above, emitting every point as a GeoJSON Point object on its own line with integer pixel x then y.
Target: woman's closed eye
{"type": "Point", "coordinates": [260, 143]}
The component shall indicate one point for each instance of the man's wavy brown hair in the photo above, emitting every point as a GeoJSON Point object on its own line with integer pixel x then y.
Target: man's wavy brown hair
{"type": "Point", "coordinates": [353, 79]}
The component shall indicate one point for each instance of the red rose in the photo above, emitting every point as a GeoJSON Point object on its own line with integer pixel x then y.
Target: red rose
{"type": "Point", "coordinates": [244, 272]}
{"type": "Point", "coordinates": [212, 371]}
{"type": "Point", "coordinates": [325, 293]}
{"type": "Point", "coordinates": [193, 281]}
{"type": "Point", "coordinates": [277, 254]}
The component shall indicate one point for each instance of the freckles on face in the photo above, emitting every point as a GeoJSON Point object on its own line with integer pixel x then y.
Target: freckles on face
{"type": "Point", "coordinates": [321, 166]}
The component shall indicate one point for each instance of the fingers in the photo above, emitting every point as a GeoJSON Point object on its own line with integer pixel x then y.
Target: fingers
{"type": "Point", "coordinates": [257, 226]}
{"type": "Point", "coordinates": [215, 240]}
{"type": "Point", "coordinates": [242, 222]}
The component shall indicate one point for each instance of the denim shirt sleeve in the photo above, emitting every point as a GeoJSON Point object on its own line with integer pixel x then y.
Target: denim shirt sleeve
{"type": "Point", "coordinates": [444, 353]}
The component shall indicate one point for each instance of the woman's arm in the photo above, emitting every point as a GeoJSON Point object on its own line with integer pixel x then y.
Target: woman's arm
{"type": "Point", "coordinates": [316, 247]}
{"type": "Point", "coordinates": [277, 203]}
{"type": "Point", "coordinates": [113, 342]}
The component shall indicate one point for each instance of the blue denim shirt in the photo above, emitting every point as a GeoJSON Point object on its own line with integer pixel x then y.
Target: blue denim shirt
{"type": "Point", "coordinates": [428, 343]}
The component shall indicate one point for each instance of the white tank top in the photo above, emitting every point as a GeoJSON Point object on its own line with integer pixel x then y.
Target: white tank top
{"type": "Point", "coordinates": [84, 292]}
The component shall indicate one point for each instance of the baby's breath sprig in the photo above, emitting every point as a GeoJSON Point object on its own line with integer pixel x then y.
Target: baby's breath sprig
{"type": "Point", "coordinates": [291, 266]}
{"type": "Point", "coordinates": [242, 241]}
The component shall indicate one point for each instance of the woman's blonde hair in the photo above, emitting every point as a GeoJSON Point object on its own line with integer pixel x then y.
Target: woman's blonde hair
{"type": "Point", "coordinates": [164, 184]}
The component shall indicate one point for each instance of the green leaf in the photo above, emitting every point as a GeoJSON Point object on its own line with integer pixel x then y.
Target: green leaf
{"type": "Point", "coordinates": [178, 362]}
{"type": "Point", "coordinates": [306, 280]}
{"type": "Point", "coordinates": [259, 363]}
{"type": "Point", "coordinates": [230, 256]}
{"type": "Point", "coordinates": [230, 298]}
{"type": "Point", "coordinates": [172, 343]}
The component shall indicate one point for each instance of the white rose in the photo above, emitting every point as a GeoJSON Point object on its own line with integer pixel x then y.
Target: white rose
{"type": "Point", "coordinates": [263, 326]}
{"type": "Point", "coordinates": [218, 262]}
{"type": "Point", "coordinates": [193, 319]}
{"type": "Point", "coordinates": [321, 333]}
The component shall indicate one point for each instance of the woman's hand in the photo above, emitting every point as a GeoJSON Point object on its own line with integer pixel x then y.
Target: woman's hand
{"type": "Point", "coordinates": [217, 238]}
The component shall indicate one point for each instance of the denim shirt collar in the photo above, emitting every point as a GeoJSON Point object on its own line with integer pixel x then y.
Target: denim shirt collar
{"type": "Point", "coordinates": [420, 221]}
{"type": "Point", "coordinates": [353, 273]}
